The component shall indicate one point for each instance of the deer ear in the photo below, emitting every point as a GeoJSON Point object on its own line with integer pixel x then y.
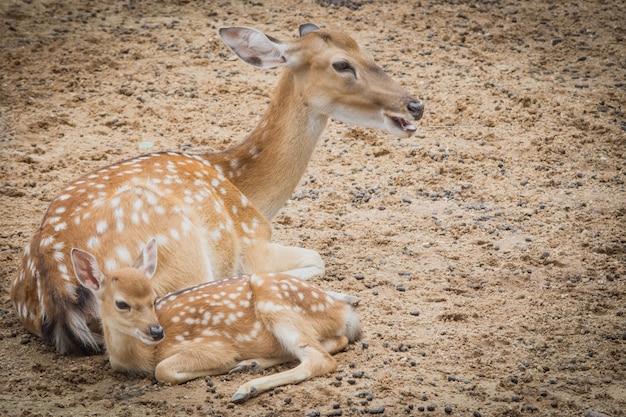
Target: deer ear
{"type": "Point", "coordinates": [146, 262]}
{"type": "Point", "coordinates": [307, 28]}
{"type": "Point", "coordinates": [254, 47]}
{"type": "Point", "coordinates": [86, 269]}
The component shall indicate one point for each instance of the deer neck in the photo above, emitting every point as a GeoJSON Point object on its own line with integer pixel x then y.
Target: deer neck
{"type": "Point", "coordinates": [268, 165]}
{"type": "Point", "coordinates": [129, 354]}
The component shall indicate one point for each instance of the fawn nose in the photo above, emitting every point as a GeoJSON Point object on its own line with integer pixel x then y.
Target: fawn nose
{"type": "Point", "coordinates": [416, 109]}
{"type": "Point", "coordinates": [156, 332]}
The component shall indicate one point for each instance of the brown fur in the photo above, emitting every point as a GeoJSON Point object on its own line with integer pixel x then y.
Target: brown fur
{"type": "Point", "coordinates": [209, 213]}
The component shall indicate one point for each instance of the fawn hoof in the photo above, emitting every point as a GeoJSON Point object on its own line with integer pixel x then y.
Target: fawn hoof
{"type": "Point", "coordinates": [240, 397]}
{"type": "Point", "coordinates": [245, 367]}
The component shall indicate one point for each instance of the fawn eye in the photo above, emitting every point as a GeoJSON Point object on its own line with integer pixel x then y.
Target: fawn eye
{"type": "Point", "coordinates": [122, 305]}
{"type": "Point", "coordinates": [344, 66]}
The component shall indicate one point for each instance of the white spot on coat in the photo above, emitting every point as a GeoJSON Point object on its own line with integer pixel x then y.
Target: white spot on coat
{"type": "Point", "coordinates": [102, 226]}
{"type": "Point", "coordinates": [110, 264]}
{"type": "Point", "coordinates": [123, 254]}
{"type": "Point", "coordinates": [93, 242]}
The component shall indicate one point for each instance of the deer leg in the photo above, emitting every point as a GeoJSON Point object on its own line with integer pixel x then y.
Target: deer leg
{"type": "Point", "coordinates": [314, 361]}
{"type": "Point", "coordinates": [350, 299]}
{"type": "Point", "coordinates": [272, 257]}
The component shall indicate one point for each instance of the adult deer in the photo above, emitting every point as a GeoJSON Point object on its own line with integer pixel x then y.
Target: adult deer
{"type": "Point", "coordinates": [209, 213]}
{"type": "Point", "coordinates": [217, 327]}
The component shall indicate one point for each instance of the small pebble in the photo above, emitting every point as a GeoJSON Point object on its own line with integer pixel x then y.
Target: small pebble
{"type": "Point", "coordinates": [448, 409]}
{"type": "Point", "coordinates": [431, 407]}
{"type": "Point", "coordinates": [415, 312]}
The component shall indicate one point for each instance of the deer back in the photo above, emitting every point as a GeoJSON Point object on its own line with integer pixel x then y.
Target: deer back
{"type": "Point", "coordinates": [201, 222]}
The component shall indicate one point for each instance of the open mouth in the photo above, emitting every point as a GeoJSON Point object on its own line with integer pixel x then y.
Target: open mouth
{"type": "Point", "coordinates": [403, 124]}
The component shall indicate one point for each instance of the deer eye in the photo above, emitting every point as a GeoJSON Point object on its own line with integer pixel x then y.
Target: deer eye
{"type": "Point", "coordinates": [122, 305]}
{"type": "Point", "coordinates": [344, 66]}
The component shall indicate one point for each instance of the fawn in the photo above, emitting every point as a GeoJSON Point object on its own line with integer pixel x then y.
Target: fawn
{"type": "Point", "coordinates": [217, 327]}
{"type": "Point", "coordinates": [209, 213]}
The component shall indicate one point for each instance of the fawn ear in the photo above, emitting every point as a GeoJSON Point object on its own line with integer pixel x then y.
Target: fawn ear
{"type": "Point", "coordinates": [87, 270]}
{"type": "Point", "coordinates": [254, 47]}
{"type": "Point", "coordinates": [146, 262]}
{"type": "Point", "coordinates": [307, 28]}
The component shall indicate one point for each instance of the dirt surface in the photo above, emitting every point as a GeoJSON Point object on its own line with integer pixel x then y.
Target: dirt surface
{"type": "Point", "coordinates": [489, 251]}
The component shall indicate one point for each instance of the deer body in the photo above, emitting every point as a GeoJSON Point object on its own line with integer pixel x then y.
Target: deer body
{"type": "Point", "coordinates": [209, 213]}
{"type": "Point", "coordinates": [217, 327]}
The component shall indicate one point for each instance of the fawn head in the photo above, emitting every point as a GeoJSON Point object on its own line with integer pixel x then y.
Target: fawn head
{"type": "Point", "coordinates": [125, 296]}
{"type": "Point", "coordinates": [337, 78]}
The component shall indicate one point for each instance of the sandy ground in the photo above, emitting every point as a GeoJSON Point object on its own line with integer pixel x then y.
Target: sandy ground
{"type": "Point", "coordinates": [489, 251]}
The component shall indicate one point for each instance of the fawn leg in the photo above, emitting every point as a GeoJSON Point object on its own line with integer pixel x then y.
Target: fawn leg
{"type": "Point", "coordinates": [259, 364]}
{"type": "Point", "coordinates": [314, 361]}
{"type": "Point", "coordinates": [185, 366]}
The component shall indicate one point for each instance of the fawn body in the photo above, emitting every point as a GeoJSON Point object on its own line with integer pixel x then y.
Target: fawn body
{"type": "Point", "coordinates": [217, 327]}
{"type": "Point", "coordinates": [209, 213]}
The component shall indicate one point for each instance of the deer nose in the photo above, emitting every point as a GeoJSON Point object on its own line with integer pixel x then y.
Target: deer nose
{"type": "Point", "coordinates": [416, 109]}
{"type": "Point", "coordinates": [156, 332]}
